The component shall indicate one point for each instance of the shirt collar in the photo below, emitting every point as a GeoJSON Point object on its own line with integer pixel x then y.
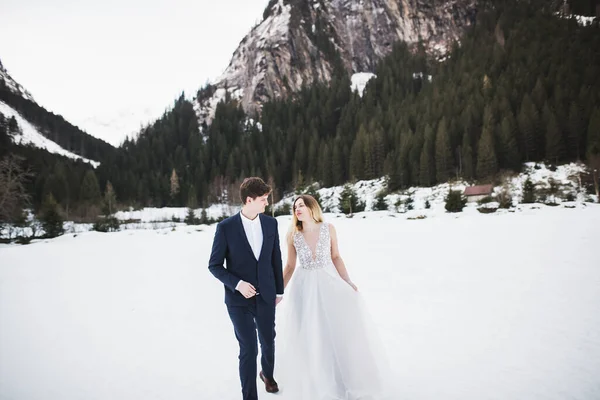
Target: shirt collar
{"type": "Point", "coordinates": [248, 220]}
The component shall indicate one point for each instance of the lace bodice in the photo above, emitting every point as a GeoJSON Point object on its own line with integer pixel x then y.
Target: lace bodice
{"type": "Point", "coordinates": [322, 254]}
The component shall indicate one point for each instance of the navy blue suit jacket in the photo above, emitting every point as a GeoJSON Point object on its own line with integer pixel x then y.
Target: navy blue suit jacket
{"type": "Point", "coordinates": [231, 246]}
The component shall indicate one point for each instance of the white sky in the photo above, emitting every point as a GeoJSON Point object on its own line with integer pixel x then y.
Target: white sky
{"type": "Point", "coordinates": [112, 63]}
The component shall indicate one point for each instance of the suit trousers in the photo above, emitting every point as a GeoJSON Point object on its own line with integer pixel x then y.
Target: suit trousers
{"type": "Point", "coordinates": [257, 315]}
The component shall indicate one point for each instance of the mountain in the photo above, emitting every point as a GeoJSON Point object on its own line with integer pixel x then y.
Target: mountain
{"type": "Point", "coordinates": [302, 41]}
{"type": "Point", "coordinates": [60, 158]}
{"type": "Point", "coordinates": [12, 85]}
{"type": "Point", "coordinates": [43, 128]}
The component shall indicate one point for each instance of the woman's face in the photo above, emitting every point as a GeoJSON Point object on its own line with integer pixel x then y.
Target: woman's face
{"type": "Point", "coordinates": [302, 212]}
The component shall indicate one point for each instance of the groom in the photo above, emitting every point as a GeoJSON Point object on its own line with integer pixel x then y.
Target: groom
{"type": "Point", "coordinates": [253, 279]}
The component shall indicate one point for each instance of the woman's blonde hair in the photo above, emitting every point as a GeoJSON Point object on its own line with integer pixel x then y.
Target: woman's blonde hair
{"type": "Point", "coordinates": [312, 205]}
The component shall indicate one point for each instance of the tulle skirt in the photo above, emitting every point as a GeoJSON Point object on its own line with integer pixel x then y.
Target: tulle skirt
{"type": "Point", "coordinates": [326, 346]}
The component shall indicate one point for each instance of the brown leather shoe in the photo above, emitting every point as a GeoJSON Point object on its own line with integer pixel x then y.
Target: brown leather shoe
{"type": "Point", "coordinates": [270, 384]}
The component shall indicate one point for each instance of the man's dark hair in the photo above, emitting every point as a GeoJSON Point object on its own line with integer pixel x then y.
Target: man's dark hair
{"type": "Point", "coordinates": [253, 187]}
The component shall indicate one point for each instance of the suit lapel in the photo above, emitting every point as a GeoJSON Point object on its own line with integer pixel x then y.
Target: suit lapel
{"type": "Point", "coordinates": [244, 238]}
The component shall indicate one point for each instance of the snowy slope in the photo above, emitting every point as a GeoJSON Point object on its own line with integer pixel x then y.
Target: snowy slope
{"type": "Point", "coordinates": [366, 191]}
{"type": "Point", "coordinates": [359, 81]}
{"type": "Point", "coordinates": [472, 308]}
{"type": "Point", "coordinates": [115, 126]}
{"type": "Point", "coordinates": [30, 135]}
{"type": "Point", "coordinates": [12, 85]}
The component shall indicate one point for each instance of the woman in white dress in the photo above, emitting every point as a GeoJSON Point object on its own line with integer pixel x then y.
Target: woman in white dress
{"type": "Point", "coordinates": [327, 348]}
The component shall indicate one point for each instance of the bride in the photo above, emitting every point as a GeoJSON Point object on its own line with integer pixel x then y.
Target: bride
{"type": "Point", "coordinates": [327, 348]}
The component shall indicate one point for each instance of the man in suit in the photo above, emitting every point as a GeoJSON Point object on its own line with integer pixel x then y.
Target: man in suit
{"type": "Point", "coordinates": [249, 244]}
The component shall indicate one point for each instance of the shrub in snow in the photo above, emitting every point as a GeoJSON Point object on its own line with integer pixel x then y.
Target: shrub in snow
{"type": "Point", "coordinates": [190, 217]}
{"type": "Point", "coordinates": [380, 203]}
{"type": "Point", "coordinates": [455, 201]}
{"type": "Point", "coordinates": [427, 204]}
{"type": "Point", "coordinates": [409, 203]}
{"type": "Point", "coordinates": [204, 217]}
{"type": "Point", "coordinates": [107, 224]}
{"type": "Point", "coordinates": [528, 191]}
{"type": "Point", "coordinates": [504, 199]}
{"type": "Point", "coordinates": [399, 204]}
{"type": "Point", "coordinates": [485, 200]}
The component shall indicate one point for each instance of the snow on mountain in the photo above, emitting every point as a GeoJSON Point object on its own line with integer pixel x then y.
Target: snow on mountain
{"type": "Point", "coordinates": [12, 85]}
{"type": "Point", "coordinates": [360, 80]}
{"type": "Point", "coordinates": [30, 135]}
{"type": "Point", "coordinates": [114, 127]}
{"type": "Point", "coordinates": [583, 20]}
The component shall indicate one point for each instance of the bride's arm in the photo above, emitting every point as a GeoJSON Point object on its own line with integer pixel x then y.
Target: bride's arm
{"type": "Point", "coordinates": [337, 259]}
{"type": "Point", "coordinates": [290, 264]}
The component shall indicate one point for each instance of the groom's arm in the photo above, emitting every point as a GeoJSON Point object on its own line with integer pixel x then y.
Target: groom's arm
{"type": "Point", "coordinates": [277, 264]}
{"type": "Point", "coordinates": [217, 260]}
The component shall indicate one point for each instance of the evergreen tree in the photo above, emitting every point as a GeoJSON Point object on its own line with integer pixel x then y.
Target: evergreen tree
{"type": "Point", "coordinates": [391, 170]}
{"type": "Point", "coordinates": [5, 138]}
{"type": "Point", "coordinates": [380, 203]}
{"type": "Point", "coordinates": [58, 186]}
{"type": "Point", "coordinates": [90, 190]}
{"type": "Point", "coordinates": [358, 165]}
{"type": "Point", "coordinates": [110, 198]}
{"type": "Point", "coordinates": [174, 184]}
{"type": "Point", "coordinates": [487, 164]}
{"type": "Point", "coordinates": [443, 156]}
{"type": "Point", "coordinates": [349, 203]}
{"type": "Point", "coordinates": [528, 123]}
{"type": "Point", "coordinates": [50, 217]}
{"type": "Point", "coordinates": [554, 143]}
{"type": "Point", "coordinates": [528, 192]}
{"type": "Point", "coordinates": [593, 134]}
{"type": "Point", "coordinates": [455, 201]}
{"type": "Point", "coordinates": [203, 217]}
{"type": "Point", "coordinates": [337, 164]}
{"type": "Point", "coordinates": [576, 130]}
{"type": "Point", "coordinates": [13, 126]}
{"type": "Point", "coordinates": [509, 149]}
{"type": "Point", "coordinates": [467, 157]}
{"type": "Point", "coordinates": [190, 217]}
{"type": "Point", "coordinates": [427, 167]}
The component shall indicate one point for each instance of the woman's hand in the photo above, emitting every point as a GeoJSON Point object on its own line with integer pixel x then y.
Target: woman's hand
{"type": "Point", "coordinates": [353, 286]}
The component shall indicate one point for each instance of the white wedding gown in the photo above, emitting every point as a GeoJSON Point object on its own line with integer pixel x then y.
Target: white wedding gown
{"type": "Point", "coordinates": [326, 348]}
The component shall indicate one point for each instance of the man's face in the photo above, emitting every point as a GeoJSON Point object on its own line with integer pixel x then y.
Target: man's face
{"type": "Point", "coordinates": [258, 205]}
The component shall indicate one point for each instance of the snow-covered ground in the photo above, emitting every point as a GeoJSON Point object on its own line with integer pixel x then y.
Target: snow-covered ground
{"type": "Point", "coordinates": [30, 135]}
{"type": "Point", "coordinates": [469, 306]}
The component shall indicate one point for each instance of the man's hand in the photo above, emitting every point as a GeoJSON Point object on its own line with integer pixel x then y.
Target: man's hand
{"type": "Point", "coordinates": [246, 289]}
{"type": "Point", "coordinates": [278, 300]}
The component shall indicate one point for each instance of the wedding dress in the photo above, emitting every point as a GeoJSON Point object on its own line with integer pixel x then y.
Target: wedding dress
{"type": "Point", "coordinates": [326, 347]}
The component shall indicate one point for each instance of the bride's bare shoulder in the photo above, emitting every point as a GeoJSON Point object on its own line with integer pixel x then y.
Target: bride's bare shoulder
{"type": "Point", "coordinates": [330, 227]}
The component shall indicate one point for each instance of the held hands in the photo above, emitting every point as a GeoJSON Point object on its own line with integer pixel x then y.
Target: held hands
{"type": "Point", "coordinates": [246, 289]}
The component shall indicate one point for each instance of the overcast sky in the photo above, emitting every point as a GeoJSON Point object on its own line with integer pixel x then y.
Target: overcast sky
{"type": "Point", "coordinates": [95, 60]}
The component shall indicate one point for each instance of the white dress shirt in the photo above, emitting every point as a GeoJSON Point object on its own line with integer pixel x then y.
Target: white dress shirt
{"type": "Point", "coordinates": [254, 234]}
